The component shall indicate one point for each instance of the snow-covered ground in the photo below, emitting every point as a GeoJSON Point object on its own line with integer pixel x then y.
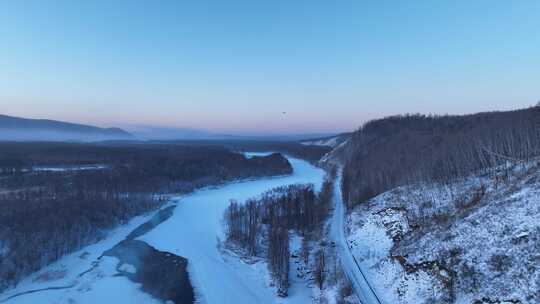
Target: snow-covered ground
{"type": "Point", "coordinates": [330, 142]}
{"type": "Point", "coordinates": [195, 227]}
{"type": "Point", "coordinates": [474, 240]}
{"type": "Point", "coordinates": [64, 281]}
{"type": "Point", "coordinates": [69, 168]}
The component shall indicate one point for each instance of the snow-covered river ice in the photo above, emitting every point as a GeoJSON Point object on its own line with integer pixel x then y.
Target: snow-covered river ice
{"type": "Point", "coordinates": [192, 232]}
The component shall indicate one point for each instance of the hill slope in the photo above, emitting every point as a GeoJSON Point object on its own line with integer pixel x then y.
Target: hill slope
{"type": "Point", "coordinates": [444, 209]}
{"type": "Point", "coordinates": [23, 129]}
{"type": "Point", "coordinates": [399, 150]}
{"type": "Point", "coordinates": [474, 240]}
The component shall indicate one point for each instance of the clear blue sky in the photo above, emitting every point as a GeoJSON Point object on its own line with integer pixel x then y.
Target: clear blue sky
{"type": "Point", "coordinates": [235, 66]}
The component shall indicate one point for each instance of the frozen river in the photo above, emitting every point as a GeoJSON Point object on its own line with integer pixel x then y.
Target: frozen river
{"type": "Point", "coordinates": [196, 224]}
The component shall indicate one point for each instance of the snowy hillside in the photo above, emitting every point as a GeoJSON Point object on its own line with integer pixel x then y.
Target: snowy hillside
{"type": "Point", "coordinates": [332, 141]}
{"type": "Point", "coordinates": [475, 240]}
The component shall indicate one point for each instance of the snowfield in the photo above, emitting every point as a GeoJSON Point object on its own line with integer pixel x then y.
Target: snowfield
{"type": "Point", "coordinates": [474, 240]}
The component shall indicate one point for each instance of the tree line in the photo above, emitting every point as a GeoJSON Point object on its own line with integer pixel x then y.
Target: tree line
{"type": "Point", "coordinates": [399, 150]}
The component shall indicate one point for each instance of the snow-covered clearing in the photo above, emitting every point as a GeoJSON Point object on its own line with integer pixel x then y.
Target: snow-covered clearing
{"type": "Point", "coordinates": [69, 168]}
{"type": "Point", "coordinates": [331, 142]}
{"type": "Point", "coordinates": [196, 225]}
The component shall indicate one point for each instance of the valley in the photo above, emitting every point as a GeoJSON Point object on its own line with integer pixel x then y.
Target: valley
{"type": "Point", "coordinates": [193, 222]}
{"type": "Point", "coordinates": [191, 231]}
{"type": "Point", "coordinates": [269, 152]}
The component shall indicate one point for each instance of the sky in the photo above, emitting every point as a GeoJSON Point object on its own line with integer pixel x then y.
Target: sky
{"type": "Point", "coordinates": [235, 67]}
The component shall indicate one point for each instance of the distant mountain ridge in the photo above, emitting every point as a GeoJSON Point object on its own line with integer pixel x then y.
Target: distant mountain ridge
{"type": "Point", "coordinates": [25, 129]}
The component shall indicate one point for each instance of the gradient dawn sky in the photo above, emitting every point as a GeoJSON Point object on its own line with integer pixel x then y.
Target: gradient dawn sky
{"type": "Point", "coordinates": [236, 66]}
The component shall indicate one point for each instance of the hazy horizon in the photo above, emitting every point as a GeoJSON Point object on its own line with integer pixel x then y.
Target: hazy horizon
{"type": "Point", "coordinates": [236, 67]}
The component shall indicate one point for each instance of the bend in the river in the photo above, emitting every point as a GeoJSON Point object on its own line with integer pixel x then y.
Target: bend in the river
{"type": "Point", "coordinates": [195, 226]}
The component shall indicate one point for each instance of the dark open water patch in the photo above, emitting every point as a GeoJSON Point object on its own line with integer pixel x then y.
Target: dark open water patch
{"type": "Point", "coordinates": [161, 216]}
{"type": "Point", "coordinates": [161, 274]}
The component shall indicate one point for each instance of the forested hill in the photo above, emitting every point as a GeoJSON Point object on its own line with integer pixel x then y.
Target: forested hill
{"type": "Point", "coordinates": [444, 209]}
{"type": "Point", "coordinates": [398, 150]}
{"type": "Point", "coordinates": [15, 128]}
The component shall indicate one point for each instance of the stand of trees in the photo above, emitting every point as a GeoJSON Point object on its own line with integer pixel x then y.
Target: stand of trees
{"type": "Point", "coordinates": [47, 214]}
{"type": "Point", "coordinates": [399, 150]}
{"type": "Point", "coordinates": [278, 257]}
{"type": "Point", "coordinates": [38, 226]}
{"type": "Point", "coordinates": [260, 227]}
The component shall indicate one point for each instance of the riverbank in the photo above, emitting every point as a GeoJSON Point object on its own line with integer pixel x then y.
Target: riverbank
{"type": "Point", "coordinates": [79, 277]}
{"type": "Point", "coordinates": [160, 274]}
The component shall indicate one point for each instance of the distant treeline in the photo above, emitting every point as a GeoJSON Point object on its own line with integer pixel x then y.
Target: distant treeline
{"type": "Point", "coordinates": [47, 214]}
{"type": "Point", "coordinates": [260, 227]}
{"type": "Point", "coordinates": [53, 153]}
{"type": "Point", "coordinates": [156, 168]}
{"type": "Point", "coordinates": [398, 150]}
{"type": "Point", "coordinates": [309, 153]}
